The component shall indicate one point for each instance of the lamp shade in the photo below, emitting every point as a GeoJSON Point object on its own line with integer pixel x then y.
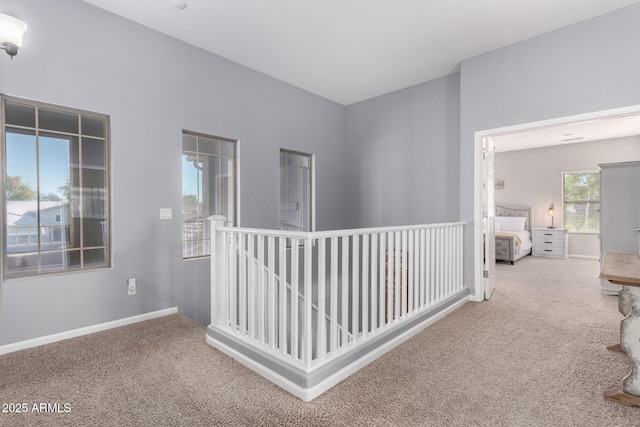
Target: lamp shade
{"type": "Point", "coordinates": [11, 31]}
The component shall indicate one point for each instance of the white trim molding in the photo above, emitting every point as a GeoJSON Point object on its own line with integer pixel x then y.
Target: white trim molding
{"type": "Point", "coordinates": [476, 286]}
{"type": "Point", "coordinates": [310, 393]}
{"type": "Point", "coordinates": [48, 339]}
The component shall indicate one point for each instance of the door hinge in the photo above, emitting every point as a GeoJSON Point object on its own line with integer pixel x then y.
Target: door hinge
{"type": "Point", "coordinates": [485, 274]}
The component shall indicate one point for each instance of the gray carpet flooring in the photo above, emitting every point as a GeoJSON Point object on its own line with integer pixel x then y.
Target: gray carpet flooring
{"type": "Point", "coordinates": [534, 355]}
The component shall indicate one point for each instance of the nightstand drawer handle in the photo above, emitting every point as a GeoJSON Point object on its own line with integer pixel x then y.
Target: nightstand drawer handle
{"type": "Point", "coordinates": [548, 234]}
{"type": "Point", "coordinates": [548, 250]}
{"type": "Point", "coordinates": [548, 242]}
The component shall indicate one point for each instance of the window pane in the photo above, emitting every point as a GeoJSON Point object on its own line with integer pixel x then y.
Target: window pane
{"type": "Point", "coordinates": [93, 153]}
{"type": "Point", "coordinates": [208, 145]}
{"type": "Point", "coordinates": [94, 184]}
{"type": "Point", "coordinates": [227, 190]}
{"type": "Point", "coordinates": [55, 168]}
{"type": "Point", "coordinates": [93, 126]}
{"type": "Point", "coordinates": [189, 143]}
{"type": "Point", "coordinates": [21, 167]}
{"type": "Point", "coordinates": [58, 121]}
{"type": "Point", "coordinates": [227, 149]}
{"type": "Point", "coordinates": [94, 258]}
{"type": "Point", "coordinates": [581, 186]}
{"type": "Point", "coordinates": [74, 260]}
{"type": "Point", "coordinates": [208, 188]}
{"type": "Point", "coordinates": [21, 196]}
{"type": "Point", "coordinates": [53, 261]}
{"type": "Point", "coordinates": [20, 114]}
{"type": "Point", "coordinates": [22, 264]}
{"type": "Point", "coordinates": [210, 178]}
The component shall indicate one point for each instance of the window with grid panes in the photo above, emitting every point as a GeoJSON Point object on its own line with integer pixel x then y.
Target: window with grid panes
{"type": "Point", "coordinates": [208, 188]}
{"type": "Point", "coordinates": [296, 191]}
{"type": "Point", "coordinates": [581, 201]}
{"type": "Point", "coordinates": [55, 189]}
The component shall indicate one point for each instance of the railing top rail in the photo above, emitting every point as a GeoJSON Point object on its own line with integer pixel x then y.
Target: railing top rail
{"type": "Point", "coordinates": [334, 233]}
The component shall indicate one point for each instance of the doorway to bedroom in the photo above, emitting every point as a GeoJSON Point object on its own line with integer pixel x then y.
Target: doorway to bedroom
{"type": "Point", "coordinates": [545, 143]}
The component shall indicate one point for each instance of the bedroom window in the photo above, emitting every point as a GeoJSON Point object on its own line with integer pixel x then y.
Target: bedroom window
{"type": "Point", "coordinates": [581, 199]}
{"type": "Point", "coordinates": [208, 188]}
{"type": "Point", "coordinates": [55, 189]}
{"type": "Point", "coordinates": [296, 191]}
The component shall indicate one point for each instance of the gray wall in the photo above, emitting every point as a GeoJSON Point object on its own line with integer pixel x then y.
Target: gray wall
{"type": "Point", "coordinates": [402, 156]}
{"type": "Point", "coordinates": [153, 86]}
{"type": "Point", "coordinates": [590, 66]}
{"type": "Point", "coordinates": [534, 177]}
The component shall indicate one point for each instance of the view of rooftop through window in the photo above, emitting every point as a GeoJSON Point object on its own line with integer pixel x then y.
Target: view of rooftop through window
{"type": "Point", "coordinates": [56, 189]}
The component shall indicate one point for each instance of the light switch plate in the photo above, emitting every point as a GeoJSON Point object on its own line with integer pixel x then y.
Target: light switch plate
{"type": "Point", "coordinates": [165, 213]}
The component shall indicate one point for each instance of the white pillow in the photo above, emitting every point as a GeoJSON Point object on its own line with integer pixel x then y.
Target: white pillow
{"type": "Point", "coordinates": [510, 223]}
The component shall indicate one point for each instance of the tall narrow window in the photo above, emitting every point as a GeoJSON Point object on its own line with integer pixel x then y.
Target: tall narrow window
{"type": "Point", "coordinates": [208, 188]}
{"type": "Point", "coordinates": [55, 189]}
{"type": "Point", "coordinates": [296, 191]}
{"type": "Point", "coordinates": [581, 198]}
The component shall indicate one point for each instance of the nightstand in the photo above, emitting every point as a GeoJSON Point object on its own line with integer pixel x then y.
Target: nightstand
{"type": "Point", "coordinates": [551, 242]}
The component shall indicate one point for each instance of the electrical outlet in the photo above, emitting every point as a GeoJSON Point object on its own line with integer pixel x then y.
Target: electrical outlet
{"type": "Point", "coordinates": [131, 286]}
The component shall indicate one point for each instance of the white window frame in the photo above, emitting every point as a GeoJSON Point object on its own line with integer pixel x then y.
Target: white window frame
{"type": "Point", "coordinates": [236, 192]}
{"type": "Point", "coordinates": [66, 266]}
{"type": "Point", "coordinates": [564, 206]}
{"type": "Point", "coordinates": [312, 195]}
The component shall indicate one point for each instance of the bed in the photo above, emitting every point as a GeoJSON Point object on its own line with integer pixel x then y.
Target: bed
{"type": "Point", "coordinates": [513, 232]}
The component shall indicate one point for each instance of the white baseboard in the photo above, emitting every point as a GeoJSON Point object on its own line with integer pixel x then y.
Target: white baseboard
{"type": "Point", "coordinates": [584, 256]}
{"type": "Point", "coordinates": [48, 339]}
{"type": "Point", "coordinates": [308, 394]}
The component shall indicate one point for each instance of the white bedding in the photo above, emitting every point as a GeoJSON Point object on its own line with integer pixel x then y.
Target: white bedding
{"type": "Point", "coordinates": [525, 240]}
{"type": "Point", "coordinates": [526, 243]}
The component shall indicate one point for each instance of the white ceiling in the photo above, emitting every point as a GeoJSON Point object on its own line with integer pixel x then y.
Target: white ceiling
{"type": "Point", "coordinates": [351, 50]}
{"type": "Point", "coordinates": [570, 133]}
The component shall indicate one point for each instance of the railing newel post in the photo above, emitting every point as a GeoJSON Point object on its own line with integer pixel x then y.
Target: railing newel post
{"type": "Point", "coordinates": [219, 285]}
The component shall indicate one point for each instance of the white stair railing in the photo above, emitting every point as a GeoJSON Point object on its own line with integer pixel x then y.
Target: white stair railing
{"type": "Point", "coordinates": [307, 298]}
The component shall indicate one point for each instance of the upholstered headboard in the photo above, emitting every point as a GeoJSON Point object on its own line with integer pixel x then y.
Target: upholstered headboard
{"type": "Point", "coordinates": [503, 209]}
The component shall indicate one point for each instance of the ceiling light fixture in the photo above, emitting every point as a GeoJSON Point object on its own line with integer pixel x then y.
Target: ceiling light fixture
{"type": "Point", "coordinates": [11, 32]}
{"type": "Point", "coordinates": [179, 4]}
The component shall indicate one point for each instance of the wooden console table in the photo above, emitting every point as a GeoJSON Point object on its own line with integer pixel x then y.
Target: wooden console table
{"type": "Point", "coordinates": [624, 269]}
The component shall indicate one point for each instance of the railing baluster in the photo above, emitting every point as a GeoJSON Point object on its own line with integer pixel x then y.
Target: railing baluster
{"type": "Point", "coordinates": [233, 279]}
{"type": "Point", "coordinates": [390, 277]}
{"type": "Point", "coordinates": [243, 284]}
{"type": "Point", "coordinates": [344, 291]}
{"type": "Point", "coordinates": [424, 286]}
{"type": "Point", "coordinates": [430, 267]}
{"type": "Point", "coordinates": [382, 285]}
{"type": "Point", "coordinates": [460, 255]}
{"type": "Point", "coordinates": [333, 311]}
{"type": "Point", "coordinates": [365, 285]}
{"type": "Point", "coordinates": [449, 260]}
{"type": "Point", "coordinates": [271, 312]}
{"type": "Point", "coordinates": [261, 320]}
{"type": "Point", "coordinates": [397, 275]}
{"type": "Point", "coordinates": [321, 345]}
{"type": "Point", "coordinates": [251, 289]}
{"type": "Point", "coordinates": [282, 294]}
{"type": "Point", "coordinates": [404, 263]}
{"type": "Point", "coordinates": [411, 261]}
{"type": "Point", "coordinates": [355, 287]}
{"type": "Point", "coordinates": [374, 282]}
{"type": "Point", "coordinates": [439, 262]}
{"type": "Point", "coordinates": [294, 321]}
{"type": "Point", "coordinates": [307, 324]}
